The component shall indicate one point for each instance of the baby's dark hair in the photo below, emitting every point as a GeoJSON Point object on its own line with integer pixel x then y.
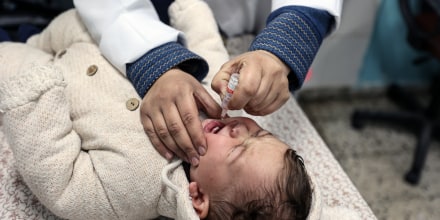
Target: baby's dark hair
{"type": "Point", "coordinates": [290, 199]}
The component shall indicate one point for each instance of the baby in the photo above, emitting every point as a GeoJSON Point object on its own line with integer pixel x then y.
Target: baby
{"type": "Point", "coordinates": [248, 173]}
{"type": "Point", "coordinates": [72, 121]}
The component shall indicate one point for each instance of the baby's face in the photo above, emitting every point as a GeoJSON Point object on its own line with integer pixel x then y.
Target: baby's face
{"type": "Point", "coordinates": [239, 152]}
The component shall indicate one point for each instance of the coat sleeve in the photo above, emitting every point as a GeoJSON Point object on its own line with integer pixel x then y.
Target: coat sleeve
{"type": "Point", "coordinates": [46, 148]}
{"type": "Point", "coordinates": [125, 30]}
{"type": "Point", "coordinates": [334, 7]}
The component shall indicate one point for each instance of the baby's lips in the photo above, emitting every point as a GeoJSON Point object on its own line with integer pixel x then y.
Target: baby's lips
{"type": "Point", "coordinates": [209, 125]}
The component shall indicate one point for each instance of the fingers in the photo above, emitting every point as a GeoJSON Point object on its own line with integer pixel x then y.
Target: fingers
{"type": "Point", "coordinates": [262, 99]}
{"type": "Point", "coordinates": [220, 81]}
{"type": "Point", "coordinates": [271, 102]}
{"type": "Point", "coordinates": [168, 134]}
{"type": "Point", "coordinates": [205, 102]}
{"type": "Point", "coordinates": [260, 88]}
{"type": "Point", "coordinates": [170, 117]}
{"type": "Point", "coordinates": [263, 84]}
{"type": "Point", "coordinates": [183, 129]}
{"type": "Point", "coordinates": [165, 126]}
{"type": "Point", "coordinates": [154, 139]}
{"type": "Point", "coordinates": [189, 115]}
{"type": "Point", "coordinates": [276, 103]}
{"type": "Point", "coordinates": [248, 85]}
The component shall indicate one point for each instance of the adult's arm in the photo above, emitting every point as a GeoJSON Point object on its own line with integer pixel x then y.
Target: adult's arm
{"type": "Point", "coordinates": [333, 7]}
{"type": "Point", "coordinates": [131, 28]}
{"type": "Point", "coordinates": [152, 49]}
{"type": "Point", "coordinates": [132, 37]}
{"type": "Point", "coordinates": [280, 55]}
{"type": "Point", "coordinates": [294, 32]}
{"type": "Point", "coordinates": [237, 17]}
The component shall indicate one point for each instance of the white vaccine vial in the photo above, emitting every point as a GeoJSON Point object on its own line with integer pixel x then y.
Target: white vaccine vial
{"type": "Point", "coordinates": [233, 82]}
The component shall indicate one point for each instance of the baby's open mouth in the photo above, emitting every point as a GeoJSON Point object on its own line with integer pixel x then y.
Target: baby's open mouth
{"type": "Point", "coordinates": [213, 126]}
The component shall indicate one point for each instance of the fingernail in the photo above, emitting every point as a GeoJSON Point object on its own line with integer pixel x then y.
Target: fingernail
{"type": "Point", "coordinates": [202, 151]}
{"type": "Point", "coordinates": [195, 161]}
{"type": "Point", "coordinates": [168, 155]}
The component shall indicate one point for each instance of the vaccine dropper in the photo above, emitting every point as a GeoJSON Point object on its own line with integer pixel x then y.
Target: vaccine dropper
{"type": "Point", "coordinates": [233, 82]}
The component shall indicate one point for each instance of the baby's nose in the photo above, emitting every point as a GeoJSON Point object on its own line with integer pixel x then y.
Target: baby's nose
{"type": "Point", "coordinates": [237, 130]}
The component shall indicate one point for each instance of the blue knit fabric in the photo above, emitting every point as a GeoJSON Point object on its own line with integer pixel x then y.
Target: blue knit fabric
{"type": "Point", "coordinates": [25, 31]}
{"type": "Point", "coordinates": [4, 36]}
{"type": "Point", "coordinates": [22, 34]}
{"type": "Point", "coordinates": [294, 34]}
{"type": "Point", "coordinates": [147, 69]}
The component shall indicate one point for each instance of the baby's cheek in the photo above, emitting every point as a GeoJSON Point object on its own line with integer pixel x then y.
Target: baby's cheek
{"type": "Point", "coordinates": [218, 142]}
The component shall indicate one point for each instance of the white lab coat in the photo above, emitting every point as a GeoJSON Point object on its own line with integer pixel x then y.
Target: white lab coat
{"type": "Point", "coordinates": [126, 30]}
{"type": "Point", "coordinates": [237, 17]}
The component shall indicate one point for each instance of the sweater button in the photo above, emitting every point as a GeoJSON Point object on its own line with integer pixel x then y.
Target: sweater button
{"type": "Point", "coordinates": [92, 70]}
{"type": "Point", "coordinates": [132, 104]}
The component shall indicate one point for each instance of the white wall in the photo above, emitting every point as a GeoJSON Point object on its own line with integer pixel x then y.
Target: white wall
{"type": "Point", "coordinates": [340, 57]}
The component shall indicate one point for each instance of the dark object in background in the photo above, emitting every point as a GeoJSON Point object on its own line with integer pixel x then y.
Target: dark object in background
{"type": "Point", "coordinates": [161, 7]}
{"type": "Point", "coordinates": [22, 18]}
{"type": "Point", "coordinates": [423, 121]}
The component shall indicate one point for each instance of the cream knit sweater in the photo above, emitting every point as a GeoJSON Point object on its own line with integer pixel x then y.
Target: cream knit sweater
{"type": "Point", "coordinates": [73, 123]}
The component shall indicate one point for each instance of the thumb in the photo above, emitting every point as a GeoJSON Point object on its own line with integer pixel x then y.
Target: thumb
{"type": "Point", "coordinates": [220, 82]}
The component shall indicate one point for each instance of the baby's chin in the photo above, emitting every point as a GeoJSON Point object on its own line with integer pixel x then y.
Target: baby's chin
{"type": "Point", "coordinates": [192, 171]}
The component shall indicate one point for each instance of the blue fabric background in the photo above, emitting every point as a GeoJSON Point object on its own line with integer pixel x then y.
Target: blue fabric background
{"type": "Point", "coordinates": [389, 57]}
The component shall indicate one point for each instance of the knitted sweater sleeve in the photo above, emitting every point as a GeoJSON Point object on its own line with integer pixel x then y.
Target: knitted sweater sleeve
{"type": "Point", "coordinates": [147, 69]}
{"type": "Point", "coordinates": [45, 145]}
{"type": "Point", "coordinates": [294, 34]}
{"type": "Point", "coordinates": [202, 38]}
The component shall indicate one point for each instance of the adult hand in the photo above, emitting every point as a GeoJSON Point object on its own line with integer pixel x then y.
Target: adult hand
{"type": "Point", "coordinates": [263, 86]}
{"type": "Point", "coordinates": [170, 116]}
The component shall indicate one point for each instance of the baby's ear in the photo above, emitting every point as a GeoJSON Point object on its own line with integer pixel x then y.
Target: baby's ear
{"type": "Point", "coordinates": [200, 201]}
